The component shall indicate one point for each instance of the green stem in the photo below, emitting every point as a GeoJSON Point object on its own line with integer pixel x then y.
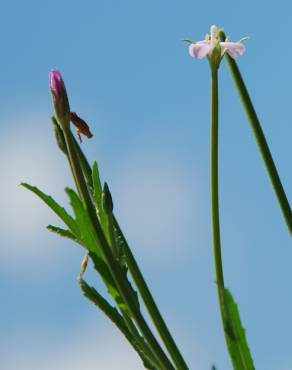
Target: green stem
{"type": "Point", "coordinates": [214, 183]}
{"type": "Point", "coordinates": [215, 202]}
{"type": "Point", "coordinates": [151, 305]}
{"type": "Point", "coordinates": [83, 163]}
{"type": "Point", "coordinates": [114, 268]}
{"type": "Point", "coordinates": [261, 140]}
{"type": "Point", "coordinates": [224, 310]}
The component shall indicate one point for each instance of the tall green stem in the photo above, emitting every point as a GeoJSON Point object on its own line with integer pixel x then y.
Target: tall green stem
{"type": "Point", "coordinates": [234, 335]}
{"type": "Point", "coordinates": [115, 269]}
{"type": "Point", "coordinates": [214, 183]}
{"type": "Point", "coordinates": [261, 140]}
{"type": "Point", "coordinates": [215, 201]}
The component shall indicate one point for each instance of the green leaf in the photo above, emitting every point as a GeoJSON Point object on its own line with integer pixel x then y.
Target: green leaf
{"type": "Point", "coordinates": [97, 196]}
{"type": "Point", "coordinates": [235, 335]}
{"type": "Point", "coordinates": [90, 242]}
{"type": "Point", "coordinates": [103, 270]}
{"type": "Point", "coordinates": [96, 183]}
{"type": "Point", "coordinates": [120, 246]}
{"type": "Point", "coordinates": [113, 314]}
{"type": "Point", "coordinates": [111, 286]}
{"type": "Point", "coordinates": [59, 210]}
{"type": "Point", "coordinates": [62, 232]}
{"type": "Point", "coordinates": [82, 219]}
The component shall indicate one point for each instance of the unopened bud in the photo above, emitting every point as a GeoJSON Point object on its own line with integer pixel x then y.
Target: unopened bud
{"type": "Point", "coordinates": [107, 201]}
{"type": "Point", "coordinates": [60, 98]}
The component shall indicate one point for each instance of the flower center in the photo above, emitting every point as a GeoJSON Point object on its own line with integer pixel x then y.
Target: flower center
{"type": "Point", "coordinates": [214, 35]}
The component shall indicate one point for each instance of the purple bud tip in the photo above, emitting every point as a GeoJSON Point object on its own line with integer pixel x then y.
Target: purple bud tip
{"type": "Point", "coordinates": [59, 97]}
{"type": "Point", "coordinates": [56, 83]}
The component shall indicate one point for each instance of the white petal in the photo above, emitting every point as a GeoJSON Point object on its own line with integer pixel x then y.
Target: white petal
{"type": "Point", "coordinates": [200, 49]}
{"type": "Point", "coordinates": [234, 49]}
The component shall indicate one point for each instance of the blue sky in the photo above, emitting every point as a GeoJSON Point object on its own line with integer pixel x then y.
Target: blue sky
{"type": "Point", "coordinates": [129, 75]}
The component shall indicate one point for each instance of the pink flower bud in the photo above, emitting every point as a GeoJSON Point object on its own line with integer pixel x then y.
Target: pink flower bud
{"type": "Point", "coordinates": [60, 98]}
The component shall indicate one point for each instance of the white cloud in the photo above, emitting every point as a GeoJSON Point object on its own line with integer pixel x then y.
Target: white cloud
{"type": "Point", "coordinates": [95, 352]}
{"type": "Point", "coordinates": [89, 347]}
{"type": "Point", "coordinates": [28, 154]}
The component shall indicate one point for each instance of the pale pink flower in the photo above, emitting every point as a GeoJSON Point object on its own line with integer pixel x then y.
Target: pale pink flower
{"type": "Point", "coordinates": [201, 49]}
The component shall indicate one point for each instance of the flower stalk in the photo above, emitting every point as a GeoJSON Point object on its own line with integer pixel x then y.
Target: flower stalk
{"type": "Point", "coordinates": [214, 181]}
{"type": "Point", "coordinates": [235, 340]}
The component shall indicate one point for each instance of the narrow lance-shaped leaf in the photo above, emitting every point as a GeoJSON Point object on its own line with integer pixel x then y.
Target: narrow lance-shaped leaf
{"type": "Point", "coordinates": [108, 206]}
{"type": "Point", "coordinates": [113, 314]}
{"type": "Point", "coordinates": [59, 210]}
{"type": "Point", "coordinates": [105, 307]}
{"type": "Point", "coordinates": [62, 232]}
{"type": "Point", "coordinates": [97, 184]}
{"type": "Point", "coordinates": [97, 196]}
{"type": "Point", "coordinates": [103, 270]}
{"type": "Point", "coordinates": [82, 219]}
{"type": "Point", "coordinates": [235, 335]}
{"type": "Point", "coordinates": [116, 245]}
{"type": "Point", "coordinates": [121, 247]}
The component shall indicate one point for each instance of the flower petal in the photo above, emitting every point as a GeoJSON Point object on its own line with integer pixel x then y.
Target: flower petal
{"type": "Point", "coordinates": [200, 49]}
{"type": "Point", "coordinates": [234, 49]}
